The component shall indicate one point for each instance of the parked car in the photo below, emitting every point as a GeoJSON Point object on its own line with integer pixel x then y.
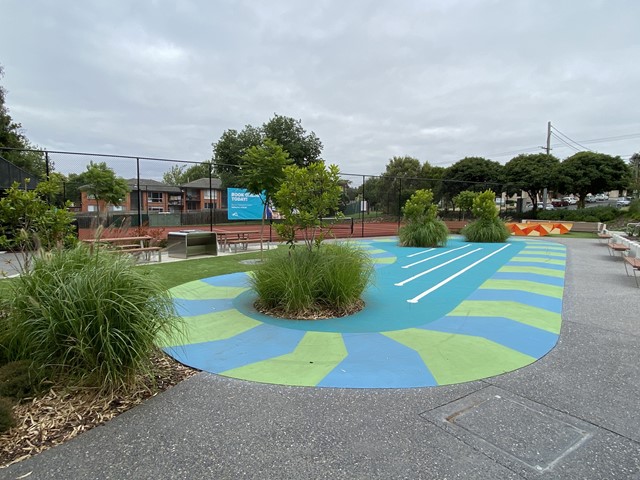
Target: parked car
{"type": "Point", "coordinates": [602, 197]}
{"type": "Point", "coordinates": [623, 202]}
{"type": "Point", "coordinates": [549, 206]}
{"type": "Point", "coordinates": [570, 200]}
{"type": "Point", "coordinates": [559, 202]}
{"type": "Point", "coordinates": [590, 198]}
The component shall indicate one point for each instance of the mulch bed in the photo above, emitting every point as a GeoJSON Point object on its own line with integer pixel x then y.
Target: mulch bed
{"type": "Point", "coordinates": [61, 413]}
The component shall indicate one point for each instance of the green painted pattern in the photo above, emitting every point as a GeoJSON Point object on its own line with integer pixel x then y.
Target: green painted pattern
{"type": "Point", "coordinates": [215, 326]}
{"type": "Point", "coordinates": [549, 261]}
{"type": "Point", "coordinates": [388, 260]}
{"type": "Point", "coordinates": [199, 290]}
{"type": "Point", "coordinates": [537, 252]}
{"type": "Point", "coordinates": [519, 312]}
{"type": "Point", "coordinates": [537, 270]}
{"type": "Point", "coordinates": [375, 251]}
{"type": "Point", "coordinates": [525, 286]}
{"type": "Point", "coordinates": [315, 356]}
{"type": "Point", "coordinates": [460, 358]}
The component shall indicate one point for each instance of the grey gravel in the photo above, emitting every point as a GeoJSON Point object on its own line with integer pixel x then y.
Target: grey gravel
{"type": "Point", "coordinates": [574, 412]}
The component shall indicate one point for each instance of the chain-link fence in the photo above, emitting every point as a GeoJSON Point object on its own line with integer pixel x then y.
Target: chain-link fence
{"type": "Point", "coordinates": [154, 198]}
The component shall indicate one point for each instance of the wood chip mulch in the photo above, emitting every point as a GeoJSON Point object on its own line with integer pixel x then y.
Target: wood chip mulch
{"type": "Point", "coordinates": [61, 414]}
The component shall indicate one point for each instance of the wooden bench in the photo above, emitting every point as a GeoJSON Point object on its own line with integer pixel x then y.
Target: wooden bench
{"type": "Point", "coordinates": [142, 252]}
{"type": "Point", "coordinates": [455, 226]}
{"type": "Point", "coordinates": [617, 247]}
{"type": "Point", "coordinates": [634, 264]}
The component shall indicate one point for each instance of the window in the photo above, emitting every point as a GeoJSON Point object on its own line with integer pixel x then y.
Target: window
{"type": "Point", "coordinates": [156, 209]}
{"type": "Point", "coordinates": [209, 206]}
{"type": "Point", "coordinates": [154, 197]}
{"type": "Point", "coordinates": [92, 208]}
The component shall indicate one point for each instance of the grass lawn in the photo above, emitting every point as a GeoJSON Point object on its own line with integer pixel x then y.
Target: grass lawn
{"type": "Point", "coordinates": [177, 273]}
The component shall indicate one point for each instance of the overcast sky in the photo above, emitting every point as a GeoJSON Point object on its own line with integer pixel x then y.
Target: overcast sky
{"type": "Point", "coordinates": [437, 80]}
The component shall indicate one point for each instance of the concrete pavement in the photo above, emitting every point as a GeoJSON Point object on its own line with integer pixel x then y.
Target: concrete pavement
{"type": "Point", "coordinates": [571, 415]}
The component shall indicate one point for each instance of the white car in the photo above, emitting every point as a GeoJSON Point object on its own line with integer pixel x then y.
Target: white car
{"type": "Point", "coordinates": [570, 200]}
{"type": "Point", "coordinates": [602, 197]}
{"type": "Point", "coordinates": [549, 206]}
{"type": "Point", "coordinates": [623, 202]}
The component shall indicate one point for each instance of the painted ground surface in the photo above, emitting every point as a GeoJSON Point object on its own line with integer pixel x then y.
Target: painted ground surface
{"type": "Point", "coordinates": [433, 317]}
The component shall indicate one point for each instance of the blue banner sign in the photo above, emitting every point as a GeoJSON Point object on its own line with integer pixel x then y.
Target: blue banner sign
{"type": "Point", "coordinates": [244, 205]}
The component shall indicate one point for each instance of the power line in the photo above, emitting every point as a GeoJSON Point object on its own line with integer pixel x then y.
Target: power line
{"type": "Point", "coordinates": [566, 143]}
{"type": "Point", "coordinates": [569, 138]}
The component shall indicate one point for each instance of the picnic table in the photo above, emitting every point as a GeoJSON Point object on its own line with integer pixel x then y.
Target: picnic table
{"type": "Point", "coordinates": [242, 238]}
{"type": "Point", "coordinates": [138, 246]}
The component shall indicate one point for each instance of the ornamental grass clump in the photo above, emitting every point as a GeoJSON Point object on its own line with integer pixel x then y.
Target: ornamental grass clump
{"type": "Point", "coordinates": [313, 283]}
{"type": "Point", "coordinates": [422, 228]}
{"type": "Point", "coordinates": [488, 228]}
{"type": "Point", "coordinates": [86, 317]}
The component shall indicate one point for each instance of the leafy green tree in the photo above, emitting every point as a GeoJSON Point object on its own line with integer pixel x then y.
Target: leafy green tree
{"type": "Point", "coordinates": [634, 168]}
{"type": "Point", "coordinates": [532, 173]}
{"type": "Point", "coordinates": [181, 174]}
{"type": "Point", "coordinates": [307, 195]}
{"type": "Point", "coordinates": [12, 137]}
{"type": "Point", "coordinates": [303, 148]}
{"type": "Point", "coordinates": [102, 183]}
{"type": "Point", "coordinates": [263, 173]}
{"type": "Point", "coordinates": [28, 221]}
{"type": "Point", "coordinates": [592, 172]}
{"type": "Point", "coordinates": [229, 150]}
{"type": "Point", "coordinates": [471, 173]}
{"type": "Point", "coordinates": [400, 180]}
{"type": "Point", "coordinates": [464, 201]}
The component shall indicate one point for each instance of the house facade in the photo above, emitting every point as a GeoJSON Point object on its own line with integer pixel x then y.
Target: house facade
{"type": "Point", "coordinates": [157, 197]}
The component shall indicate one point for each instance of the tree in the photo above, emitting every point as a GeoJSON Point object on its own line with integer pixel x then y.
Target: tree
{"type": "Point", "coordinates": [307, 194]}
{"type": "Point", "coordinates": [181, 174]}
{"type": "Point", "coordinates": [471, 173]}
{"type": "Point", "coordinates": [532, 173]}
{"type": "Point", "coordinates": [28, 221]}
{"type": "Point", "coordinates": [263, 172]}
{"type": "Point", "coordinates": [11, 137]}
{"type": "Point", "coordinates": [101, 183]}
{"type": "Point", "coordinates": [229, 150]}
{"type": "Point", "coordinates": [399, 181]}
{"type": "Point", "coordinates": [304, 149]}
{"type": "Point", "coordinates": [591, 172]}
{"type": "Point", "coordinates": [464, 201]}
{"type": "Point", "coordinates": [634, 167]}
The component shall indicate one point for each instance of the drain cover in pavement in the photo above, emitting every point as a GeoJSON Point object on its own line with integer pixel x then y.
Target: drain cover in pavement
{"type": "Point", "coordinates": [511, 429]}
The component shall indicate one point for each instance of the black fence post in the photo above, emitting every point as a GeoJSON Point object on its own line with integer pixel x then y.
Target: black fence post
{"type": "Point", "coordinates": [210, 199]}
{"type": "Point", "coordinates": [362, 203]}
{"type": "Point", "coordinates": [139, 193]}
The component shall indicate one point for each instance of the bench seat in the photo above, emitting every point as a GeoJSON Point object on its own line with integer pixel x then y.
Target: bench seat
{"type": "Point", "coordinates": [634, 264]}
{"type": "Point", "coordinates": [145, 252]}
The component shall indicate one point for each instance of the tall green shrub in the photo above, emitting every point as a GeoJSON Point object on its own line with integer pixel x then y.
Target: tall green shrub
{"type": "Point", "coordinates": [299, 283]}
{"type": "Point", "coordinates": [91, 316]}
{"type": "Point", "coordinates": [422, 228]}
{"type": "Point", "coordinates": [27, 221]}
{"type": "Point", "coordinates": [488, 228]}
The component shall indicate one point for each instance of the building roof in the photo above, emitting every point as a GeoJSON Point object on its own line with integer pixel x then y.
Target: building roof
{"type": "Point", "coordinates": [203, 184]}
{"type": "Point", "coordinates": [149, 185]}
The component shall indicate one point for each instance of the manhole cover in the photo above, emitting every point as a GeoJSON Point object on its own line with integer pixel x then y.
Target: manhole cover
{"type": "Point", "coordinates": [512, 428]}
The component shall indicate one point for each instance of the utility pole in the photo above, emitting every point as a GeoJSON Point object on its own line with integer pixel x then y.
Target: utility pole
{"type": "Point", "coordinates": [548, 149]}
{"type": "Point", "coordinates": [548, 138]}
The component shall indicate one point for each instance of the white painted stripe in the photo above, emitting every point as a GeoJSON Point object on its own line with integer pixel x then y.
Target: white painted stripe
{"type": "Point", "coordinates": [435, 256]}
{"type": "Point", "coordinates": [447, 280]}
{"type": "Point", "coordinates": [435, 268]}
{"type": "Point", "coordinates": [420, 253]}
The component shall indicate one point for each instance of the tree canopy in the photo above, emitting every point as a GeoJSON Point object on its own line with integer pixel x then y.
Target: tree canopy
{"type": "Point", "coordinates": [592, 172]}
{"type": "Point", "coordinates": [101, 182]}
{"type": "Point", "coordinates": [532, 173]}
{"type": "Point", "coordinates": [303, 148]}
{"type": "Point", "coordinates": [472, 173]}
